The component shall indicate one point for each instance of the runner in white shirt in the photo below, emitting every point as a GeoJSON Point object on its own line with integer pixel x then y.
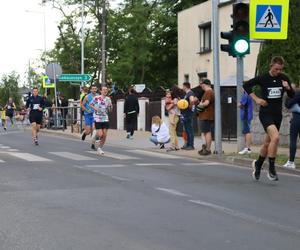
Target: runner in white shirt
{"type": "Point", "coordinates": [102, 106]}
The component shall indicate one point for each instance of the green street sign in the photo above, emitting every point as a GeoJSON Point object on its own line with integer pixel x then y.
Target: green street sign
{"type": "Point", "coordinates": [75, 78]}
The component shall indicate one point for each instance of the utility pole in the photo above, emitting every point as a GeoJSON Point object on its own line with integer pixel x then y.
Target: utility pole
{"type": "Point", "coordinates": [82, 39]}
{"type": "Point", "coordinates": [216, 70]}
{"type": "Point", "coordinates": [103, 50]}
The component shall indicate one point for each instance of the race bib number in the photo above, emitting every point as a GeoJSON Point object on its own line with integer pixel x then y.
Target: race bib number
{"type": "Point", "coordinates": [274, 93]}
{"type": "Point", "coordinates": [36, 106]}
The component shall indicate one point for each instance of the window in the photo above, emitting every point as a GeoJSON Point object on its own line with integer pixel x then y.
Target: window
{"type": "Point", "coordinates": [186, 78]}
{"type": "Point", "coordinates": [202, 75]}
{"type": "Point", "coordinates": [205, 37]}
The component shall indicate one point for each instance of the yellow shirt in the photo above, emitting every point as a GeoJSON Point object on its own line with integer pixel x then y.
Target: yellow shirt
{"type": "Point", "coordinates": [3, 115]}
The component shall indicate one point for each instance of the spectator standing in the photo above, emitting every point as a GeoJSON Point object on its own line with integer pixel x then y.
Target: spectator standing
{"type": "Point", "coordinates": [131, 112]}
{"type": "Point", "coordinates": [172, 98]}
{"type": "Point", "coordinates": [246, 115]}
{"type": "Point", "coordinates": [64, 104]}
{"type": "Point", "coordinates": [294, 105]}
{"type": "Point", "coordinates": [187, 115]}
{"type": "Point", "coordinates": [206, 115]}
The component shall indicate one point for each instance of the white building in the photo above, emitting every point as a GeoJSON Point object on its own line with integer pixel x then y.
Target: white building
{"type": "Point", "coordinates": [195, 55]}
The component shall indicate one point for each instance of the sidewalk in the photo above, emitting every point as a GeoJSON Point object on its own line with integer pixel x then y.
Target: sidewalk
{"type": "Point", "coordinates": [141, 141]}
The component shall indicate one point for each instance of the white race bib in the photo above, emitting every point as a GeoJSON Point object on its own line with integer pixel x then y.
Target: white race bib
{"type": "Point", "coordinates": [36, 106]}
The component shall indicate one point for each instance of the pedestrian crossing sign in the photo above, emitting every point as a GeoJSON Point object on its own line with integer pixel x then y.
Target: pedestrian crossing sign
{"type": "Point", "coordinates": [47, 83]}
{"type": "Point", "coordinates": [269, 19]}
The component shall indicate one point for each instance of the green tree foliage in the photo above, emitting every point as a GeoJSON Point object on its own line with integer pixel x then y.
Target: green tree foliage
{"type": "Point", "coordinates": [289, 48]}
{"type": "Point", "coordinates": [141, 40]}
{"type": "Point", "coordinates": [9, 88]}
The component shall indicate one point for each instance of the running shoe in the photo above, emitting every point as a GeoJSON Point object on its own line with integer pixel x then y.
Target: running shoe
{"type": "Point", "coordinates": [245, 151]}
{"type": "Point", "coordinates": [100, 151]}
{"type": "Point", "coordinates": [272, 175]}
{"type": "Point", "coordinates": [93, 147]}
{"type": "Point", "coordinates": [162, 146]}
{"type": "Point", "coordinates": [83, 136]}
{"type": "Point", "coordinates": [256, 171]}
{"type": "Point", "coordinates": [290, 165]}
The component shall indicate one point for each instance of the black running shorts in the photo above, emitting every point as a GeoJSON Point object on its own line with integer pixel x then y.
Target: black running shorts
{"type": "Point", "coordinates": [270, 119]}
{"type": "Point", "coordinates": [206, 126]}
{"type": "Point", "coordinates": [101, 125]}
{"type": "Point", "coordinates": [36, 116]}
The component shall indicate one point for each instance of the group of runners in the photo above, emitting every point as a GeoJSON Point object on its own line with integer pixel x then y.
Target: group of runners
{"type": "Point", "coordinates": [96, 107]}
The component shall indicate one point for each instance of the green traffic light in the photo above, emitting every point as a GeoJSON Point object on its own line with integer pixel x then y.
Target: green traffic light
{"type": "Point", "coordinates": [241, 46]}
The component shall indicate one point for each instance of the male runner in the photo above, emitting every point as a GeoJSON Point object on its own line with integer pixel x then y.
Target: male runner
{"type": "Point", "coordinates": [273, 85]}
{"type": "Point", "coordinates": [88, 114]}
{"type": "Point", "coordinates": [35, 104]}
{"type": "Point", "coordinates": [102, 105]}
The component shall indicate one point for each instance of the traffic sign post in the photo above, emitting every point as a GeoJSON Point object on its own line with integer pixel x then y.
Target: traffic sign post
{"type": "Point", "coordinates": [269, 19]}
{"type": "Point", "coordinates": [75, 78]}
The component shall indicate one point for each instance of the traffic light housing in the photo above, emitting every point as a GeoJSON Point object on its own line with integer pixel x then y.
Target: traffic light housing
{"type": "Point", "coordinates": [227, 47]}
{"type": "Point", "coordinates": [238, 37]}
{"type": "Point", "coordinates": [241, 41]}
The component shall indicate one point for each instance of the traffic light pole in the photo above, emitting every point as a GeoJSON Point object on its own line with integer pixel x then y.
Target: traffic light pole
{"type": "Point", "coordinates": [216, 70]}
{"type": "Point", "coordinates": [239, 89]}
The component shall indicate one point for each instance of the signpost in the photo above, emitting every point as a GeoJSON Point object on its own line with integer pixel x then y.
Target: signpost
{"type": "Point", "coordinates": [269, 19]}
{"type": "Point", "coordinates": [75, 78]}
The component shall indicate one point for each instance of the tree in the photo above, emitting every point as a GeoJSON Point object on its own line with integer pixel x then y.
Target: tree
{"type": "Point", "coordinates": [9, 88]}
{"type": "Point", "coordinates": [286, 48]}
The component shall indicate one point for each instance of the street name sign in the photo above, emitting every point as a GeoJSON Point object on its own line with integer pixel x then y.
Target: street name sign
{"type": "Point", "coordinates": [269, 19]}
{"type": "Point", "coordinates": [75, 78]}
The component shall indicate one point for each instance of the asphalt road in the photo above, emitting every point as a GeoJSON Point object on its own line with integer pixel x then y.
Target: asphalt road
{"type": "Point", "coordinates": [61, 195]}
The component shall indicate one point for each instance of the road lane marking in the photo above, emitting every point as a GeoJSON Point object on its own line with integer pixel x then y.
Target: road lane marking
{"type": "Point", "coordinates": [28, 157]}
{"type": "Point", "coordinates": [114, 176]}
{"type": "Point", "coordinates": [13, 150]}
{"type": "Point", "coordinates": [246, 217]}
{"type": "Point", "coordinates": [114, 156]}
{"type": "Point", "coordinates": [154, 154]}
{"type": "Point", "coordinates": [153, 164]}
{"type": "Point", "coordinates": [172, 191]}
{"type": "Point", "coordinates": [1, 161]}
{"type": "Point", "coordinates": [105, 166]}
{"type": "Point", "coordinates": [5, 147]}
{"type": "Point", "coordinates": [72, 156]}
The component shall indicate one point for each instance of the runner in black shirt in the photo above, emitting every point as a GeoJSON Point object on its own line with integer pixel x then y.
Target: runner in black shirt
{"type": "Point", "coordinates": [35, 104]}
{"type": "Point", "coordinates": [273, 85]}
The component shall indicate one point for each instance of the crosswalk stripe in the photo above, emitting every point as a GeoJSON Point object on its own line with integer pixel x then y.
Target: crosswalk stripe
{"type": "Point", "coordinates": [153, 164]}
{"type": "Point", "coordinates": [115, 156]}
{"type": "Point", "coordinates": [1, 161]}
{"type": "Point", "coordinates": [28, 157]}
{"type": "Point", "coordinates": [72, 156]}
{"type": "Point", "coordinates": [154, 154]}
{"type": "Point", "coordinates": [104, 166]}
{"type": "Point", "coordinates": [4, 147]}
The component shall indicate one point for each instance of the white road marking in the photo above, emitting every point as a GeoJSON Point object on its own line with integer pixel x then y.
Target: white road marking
{"type": "Point", "coordinates": [1, 161]}
{"type": "Point", "coordinates": [13, 150]}
{"type": "Point", "coordinates": [114, 156]}
{"type": "Point", "coordinates": [4, 147]}
{"type": "Point", "coordinates": [245, 216]}
{"type": "Point", "coordinates": [172, 191]}
{"type": "Point", "coordinates": [105, 166]}
{"type": "Point", "coordinates": [72, 156]}
{"type": "Point", "coordinates": [153, 164]}
{"type": "Point", "coordinates": [154, 154]}
{"type": "Point", "coordinates": [28, 157]}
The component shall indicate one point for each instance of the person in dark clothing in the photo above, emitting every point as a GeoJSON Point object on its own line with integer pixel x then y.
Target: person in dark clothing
{"type": "Point", "coordinates": [36, 105]}
{"type": "Point", "coordinates": [63, 103]}
{"type": "Point", "coordinates": [272, 85]}
{"type": "Point", "coordinates": [294, 105]}
{"type": "Point", "coordinates": [187, 116]}
{"type": "Point", "coordinates": [131, 112]}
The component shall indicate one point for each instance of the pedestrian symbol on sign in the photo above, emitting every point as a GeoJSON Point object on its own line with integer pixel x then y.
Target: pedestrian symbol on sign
{"type": "Point", "coordinates": [268, 18]}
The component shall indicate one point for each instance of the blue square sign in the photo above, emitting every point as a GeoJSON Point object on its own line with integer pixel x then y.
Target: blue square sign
{"type": "Point", "coordinates": [268, 18]}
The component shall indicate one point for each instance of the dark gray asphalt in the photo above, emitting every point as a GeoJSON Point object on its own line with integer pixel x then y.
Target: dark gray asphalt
{"type": "Point", "coordinates": [149, 202]}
